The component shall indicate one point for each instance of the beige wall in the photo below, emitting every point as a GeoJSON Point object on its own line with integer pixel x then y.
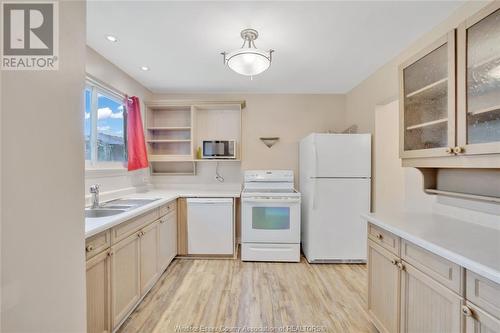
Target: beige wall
{"type": "Point", "coordinates": [388, 184]}
{"type": "Point", "coordinates": [105, 71]}
{"type": "Point", "coordinates": [398, 188]}
{"type": "Point", "coordinates": [394, 187]}
{"type": "Point", "coordinates": [382, 86]}
{"type": "Point", "coordinates": [1, 192]}
{"type": "Point", "coordinates": [43, 262]}
{"type": "Point", "coordinates": [288, 116]}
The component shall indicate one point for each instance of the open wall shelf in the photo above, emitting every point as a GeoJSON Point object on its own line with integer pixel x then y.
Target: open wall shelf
{"type": "Point", "coordinates": [176, 128]}
{"type": "Point", "coordinates": [173, 168]}
{"type": "Point", "coordinates": [171, 128]}
{"type": "Point", "coordinates": [464, 195]}
{"type": "Point", "coordinates": [473, 184]}
{"type": "Point", "coordinates": [168, 141]}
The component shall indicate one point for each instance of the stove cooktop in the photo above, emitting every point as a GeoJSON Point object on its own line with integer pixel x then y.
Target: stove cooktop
{"type": "Point", "coordinates": [270, 193]}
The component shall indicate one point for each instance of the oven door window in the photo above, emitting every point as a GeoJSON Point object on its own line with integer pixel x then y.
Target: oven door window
{"type": "Point", "coordinates": [271, 218]}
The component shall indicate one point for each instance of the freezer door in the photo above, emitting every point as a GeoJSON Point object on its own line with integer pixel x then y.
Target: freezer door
{"type": "Point", "coordinates": [342, 155]}
{"type": "Point", "coordinates": [335, 230]}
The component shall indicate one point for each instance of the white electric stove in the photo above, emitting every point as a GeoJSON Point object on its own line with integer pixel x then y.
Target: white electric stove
{"type": "Point", "coordinates": [270, 217]}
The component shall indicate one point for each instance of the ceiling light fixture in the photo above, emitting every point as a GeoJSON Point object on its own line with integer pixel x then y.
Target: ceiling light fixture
{"type": "Point", "coordinates": [248, 60]}
{"type": "Point", "coordinates": [495, 72]}
{"type": "Point", "coordinates": [145, 68]}
{"type": "Point", "coordinates": [111, 38]}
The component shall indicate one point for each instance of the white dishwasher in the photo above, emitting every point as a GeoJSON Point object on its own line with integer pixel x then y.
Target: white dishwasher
{"type": "Point", "coordinates": [210, 225]}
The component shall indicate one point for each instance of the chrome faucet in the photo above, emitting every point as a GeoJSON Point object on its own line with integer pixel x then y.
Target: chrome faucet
{"type": "Point", "coordinates": [94, 189]}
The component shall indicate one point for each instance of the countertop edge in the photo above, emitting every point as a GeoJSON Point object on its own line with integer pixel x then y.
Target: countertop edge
{"type": "Point", "coordinates": [128, 215]}
{"type": "Point", "coordinates": [163, 199]}
{"type": "Point", "coordinates": [458, 259]}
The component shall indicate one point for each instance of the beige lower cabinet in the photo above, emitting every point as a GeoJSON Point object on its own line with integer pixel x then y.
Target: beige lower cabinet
{"type": "Point", "coordinates": [182, 245]}
{"type": "Point", "coordinates": [98, 294]}
{"type": "Point", "coordinates": [383, 288]}
{"type": "Point", "coordinates": [120, 271]}
{"type": "Point", "coordinates": [417, 291]}
{"type": "Point", "coordinates": [149, 239]}
{"type": "Point", "coordinates": [168, 240]}
{"type": "Point", "coordinates": [125, 277]}
{"type": "Point", "coordinates": [427, 305]}
{"type": "Point", "coordinates": [478, 321]}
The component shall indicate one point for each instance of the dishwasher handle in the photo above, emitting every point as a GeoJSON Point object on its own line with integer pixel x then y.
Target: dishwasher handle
{"type": "Point", "coordinates": [210, 201]}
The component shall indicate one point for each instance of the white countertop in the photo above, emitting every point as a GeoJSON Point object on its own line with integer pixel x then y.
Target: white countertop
{"type": "Point", "coordinates": [472, 246]}
{"type": "Point", "coordinates": [94, 226]}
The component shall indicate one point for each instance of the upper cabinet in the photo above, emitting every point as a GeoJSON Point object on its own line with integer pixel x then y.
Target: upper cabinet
{"type": "Point", "coordinates": [478, 87]}
{"type": "Point", "coordinates": [450, 97]}
{"type": "Point", "coordinates": [427, 88]}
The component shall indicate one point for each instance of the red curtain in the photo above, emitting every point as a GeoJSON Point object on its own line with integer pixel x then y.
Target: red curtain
{"type": "Point", "coordinates": [137, 154]}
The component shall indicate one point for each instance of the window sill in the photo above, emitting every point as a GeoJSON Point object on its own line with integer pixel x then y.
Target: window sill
{"type": "Point", "coordinates": [105, 172]}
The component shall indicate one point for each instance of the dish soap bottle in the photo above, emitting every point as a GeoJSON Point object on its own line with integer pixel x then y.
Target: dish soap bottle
{"type": "Point", "coordinates": [198, 153]}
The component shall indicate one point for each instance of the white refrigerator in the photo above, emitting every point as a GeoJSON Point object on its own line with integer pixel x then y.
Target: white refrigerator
{"type": "Point", "coordinates": [335, 182]}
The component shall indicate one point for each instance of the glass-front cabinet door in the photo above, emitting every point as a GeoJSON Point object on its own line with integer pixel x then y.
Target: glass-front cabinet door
{"type": "Point", "coordinates": [478, 85]}
{"type": "Point", "coordinates": [427, 101]}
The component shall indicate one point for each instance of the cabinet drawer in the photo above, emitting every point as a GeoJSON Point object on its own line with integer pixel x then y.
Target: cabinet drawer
{"type": "Point", "coordinates": [266, 252]}
{"type": "Point", "coordinates": [125, 229]}
{"type": "Point", "coordinates": [483, 292]}
{"type": "Point", "coordinates": [440, 269]}
{"type": "Point", "coordinates": [384, 238]}
{"type": "Point", "coordinates": [97, 243]}
{"type": "Point", "coordinates": [168, 208]}
{"type": "Point", "coordinates": [171, 215]}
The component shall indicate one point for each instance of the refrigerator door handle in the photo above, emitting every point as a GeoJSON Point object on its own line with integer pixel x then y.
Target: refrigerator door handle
{"type": "Point", "coordinates": [315, 152]}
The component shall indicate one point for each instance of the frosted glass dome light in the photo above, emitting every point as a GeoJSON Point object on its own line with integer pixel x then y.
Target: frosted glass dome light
{"type": "Point", "coordinates": [248, 60]}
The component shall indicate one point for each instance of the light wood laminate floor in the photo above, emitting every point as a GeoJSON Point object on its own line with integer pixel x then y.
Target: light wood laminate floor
{"type": "Point", "coordinates": [197, 294]}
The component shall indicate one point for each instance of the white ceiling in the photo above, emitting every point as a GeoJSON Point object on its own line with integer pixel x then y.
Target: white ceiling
{"type": "Point", "coordinates": [321, 47]}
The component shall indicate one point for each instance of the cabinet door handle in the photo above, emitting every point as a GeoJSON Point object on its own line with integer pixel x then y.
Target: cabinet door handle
{"type": "Point", "coordinates": [110, 253]}
{"type": "Point", "coordinates": [458, 150]}
{"type": "Point", "coordinates": [400, 266]}
{"type": "Point", "coordinates": [466, 311]}
{"type": "Point", "coordinates": [379, 236]}
{"type": "Point", "coordinates": [139, 234]}
{"type": "Point", "coordinates": [394, 262]}
{"type": "Point", "coordinates": [89, 248]}
{"type": "Point", "coordinates": [449, 150]}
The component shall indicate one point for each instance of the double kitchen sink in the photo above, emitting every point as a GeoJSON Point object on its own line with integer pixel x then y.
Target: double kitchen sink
{"type": "Point", "coordinates": [115, 207]}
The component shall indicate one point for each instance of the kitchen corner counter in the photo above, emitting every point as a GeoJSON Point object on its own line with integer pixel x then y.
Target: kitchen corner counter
{"type": "Point", "coordinates": [472, 246]}
{"type": "Point", "coordinates": [94, 226]}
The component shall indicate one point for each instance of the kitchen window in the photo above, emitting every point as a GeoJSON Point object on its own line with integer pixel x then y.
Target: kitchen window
{"type": "Point", "coordinates": [105, 128]}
